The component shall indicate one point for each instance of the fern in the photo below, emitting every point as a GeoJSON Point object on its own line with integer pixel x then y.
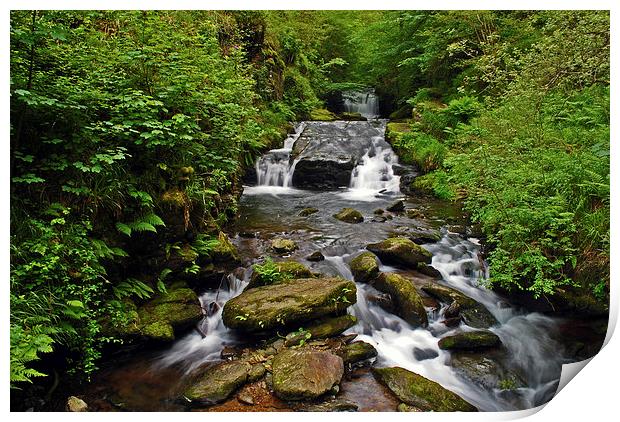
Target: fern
{"type": "Point", "coordinates": [145, 223]}
{"type": "Point", "coordinates": [132, 287]}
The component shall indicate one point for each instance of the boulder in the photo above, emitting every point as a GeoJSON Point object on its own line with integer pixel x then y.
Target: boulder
{"type": "Point", "coordinates": [400, 251]}
{"type": "Point", "coordinates": [424, 354]}
{"type": "Point", "coordinates": [322, 115]}
{"type": "Point", "coordinates": [428, 270]}
{"type": "Point", "coordinates": [471, 312]}
{"type": "Point", "coordinates": [283, 246]}
{"type": "Point", "coordinates": [286, 270]}
{"type": "Point", "coordinates": [334, 405]}
{"type": "Point", "coordinates": [352, 116]}
{"type": "Point", "coordinates": [76, 404]}
{"type": "Point", "coordinates": [471, 340]}
{"type": "Point", "coordinates": [422, 393]}
{"type": "Point", "coordinates": [486, 372]}
{"type": "Point", "coordinates": [407, 302]}
{"type": "Point", "coordinates": [300, 374]}
{"type": "Point", "coordinates": [225, 252]}
{"type": "Point", "coordinates": [349, 215]}
{"type": "Point", "coordinates": [398, 206]}
{"type": "Point", "coordinates": [365, 267]}
{"type": "Point", "coordinates": [218, 383]}
{"type": "Point", "coordinates": [356, 352]}
{"type": "Point", "coordinates": [292, 302]}
{"type": "Point", "coordinates": [308, 211]}
{"type": "Point", "coordinates": [315, 256]}
{"type": "Point", "coordinates": [324, 328]}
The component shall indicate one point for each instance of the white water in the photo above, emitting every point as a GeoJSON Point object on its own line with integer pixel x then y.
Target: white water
{"type": "Point", "coordinates": [363, 102]}
{"type": "Point", "coordinates": [275, 169]}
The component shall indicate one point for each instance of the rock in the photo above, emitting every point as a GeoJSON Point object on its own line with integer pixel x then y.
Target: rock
{"type": "Point", "coordinates": [471, 340]}
{"type": "Point", "coordinates": [398, 206]}
{"type": "Point", "coordinates": [400, 251]}
{"type": "Point", "coordinates": [472, 313]}
{"type": "Point", "coordinates": [308, 211]}
{"type": "Point", "coordinates": [356, 352]}
{"type": "Point", "coordinates": [335, 405]}
{"type": "Point", "coordinates": [349, 215]}
{"type": "Point", "coordinates": [315, 256]}
{"type": "Point", "coordinates": [245, 398]}
{"type": "Point", "coordinates": [428, 270]}
{"type": "Point", "coordinates": [415, 390]}
{"type": "Point", "coordinates": [75, 404]}
{"type": "Point", "coordinates": [379, 219]}
{"type": "Point", "coordinates": [351, 116]}
{"type": "Point", "coordinates": [322, 115]}
{"type": "Point", "coordinates": [383, 300]}
{"type": "Point", "coordinates": [291, 302]}
{"type": "Point", "coordinates": [452, 322]}
{"type": "Point", "coordinates": [283, 246]}
{"type": "Point", "coordinates": [407, 302]}
{"type": "Point", "coordinates": [403, 407]}
{"type": "Point", "coordinates": [365, 267]}
{"type": "Point", "coordinates": [414, 213]}
{"type": "Point", "coordinates": [286, 269]}
{"type": "Point", "coordinates": [406, 184]}
{"type": "Point", "coordinates": [177, 309]}
{"type": "Point", "coordinates": [300, 374]}
{"type": "Point", "coordinates": [378, 211]}
{"type": "Point", "coordinates": [324, 328]}
{"type": "Point", "coordinates": [225, 252]}
{"type": "Point", "coordinates": [218, 383]}
{"type": "Point", "coordinates": [424, 354]}
{"type": "Point", "coordinates": [485, 372]}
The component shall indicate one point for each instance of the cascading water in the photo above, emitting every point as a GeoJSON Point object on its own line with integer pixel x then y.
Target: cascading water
{"type": "Point", "coordinates": [365, 103]}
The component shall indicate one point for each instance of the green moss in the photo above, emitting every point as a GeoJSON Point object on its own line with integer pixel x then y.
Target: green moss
{"type": "Point", "coordinates": [470, 341]}
{"type": "Point", "coordinates": [225, 252]}
{"type": "Point", "coordinates": [276, 272]}
{"type": "Point", "coordinates": [218, 383]}
{"type": "Point", "coordinates": [357, 351]}
{"type": "Point", "coordinates": [400, 251]}
{"type": "Point", "coordinates": [365, 267]}
{"type": "Point", "coordinates": [407, 301]}
{"type": "Point", "coordinates": [322, 115]}
{"type": "Point", "coordinates": [282, 246]}
{"type": "Point", "coordinates": [349, 215]}
{"type": "Point", "coordinates": [159, 330]}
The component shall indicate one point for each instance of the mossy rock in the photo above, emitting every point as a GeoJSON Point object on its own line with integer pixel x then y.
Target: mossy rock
{"type": "Point", "coordinates": [324, 328]}
{"type": "Point", "coordinates": [422, 393]}
{"type": "Point", "coordinates": [400, 251]}
{"type": "Point", "coordinates": [398, 206]}
{"type": "Point", "coordinates": [471, 340]}
{"type": "Point", "coordinates": [159, 331]}
{"type": "Point", "coordinates": [365, 267]}
{"type": "Point", "coordinates": [322, 115]}
{"type": "Point", "coordinates": [283, 246]}
{"type": "Point", "coordinates": [287, 270]}
{"type": "Point", "coordinates": [472, 312]}
{"type": "Point", "coordinates": [218, 383]}
{"type": "Point", "coordinates": [407, 302]}
{"type": "Point", "coordinates": [351, 116]}
{"type": "Point", "coordinates": [300, 374]}
{"type": "Point", "coordinates": [349, 215]}
{"type": "Point", "coordinates": [308, 211]}
{"type": "Point", "coordinates": [225, 252]}
{"type": "Point", "coordinates": [290, 303]}
{"type": "Point", "coordinates": [357, 351]}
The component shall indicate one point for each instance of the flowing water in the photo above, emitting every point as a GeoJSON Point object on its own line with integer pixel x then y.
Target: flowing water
{"type": "Point", "coordinates": [364, 102]}
{"type": "Point", "coordinates": [531, 358]}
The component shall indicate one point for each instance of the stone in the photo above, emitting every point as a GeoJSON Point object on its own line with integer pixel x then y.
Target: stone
{"type": "Point", "coordinates": [484, 371]}
{"type": "Point", "coordinates": [322, 115]}
{"type": "Point", "coordinates": [286, 269]}
{"type": "Point", "coordinates": [324, 328]}
{"type": "Point", "coordinates": [404, 407]}
{"type": "Point", "coordinates": [428, 270]}
{"type": "Point", "coordinates": [379, 219]}
{"type": "Point", "coordinates": [352, 116]}
{"type": "Point", "coordinates": [400, 251]}
{"type": "Point", "coordinates": [349, 215]}
{"type": "Point", "coordinates": [300, 374]}
{"type": "Point", "coordinates": [471, 312]}
{"type": "Point", "coordinates": [76, 404]}
{"type": "Point", "coordinates": [382, 300]}
{"type": "Point", "coordinates": [283, 246]}
{"type": "Point", "coordinates": [407, 302]}
{"type": "Point", "coordinates": [225, 252]}
{"type": "Point", "coordinates": [292, 302]}
{"type": "Point", "coordinates": [365, 267]}
{"type": "Point", "coordinates": [308, 211]}
{"type": "Point", "coordinates": [335, 405]}
{"type": "Point", "coordinates": [471, 340]}
{"type": "Point", "coordinates": [414, 213]}
{"type": "Point", "coordinates": [422, 393]}
{"type": "Point", "coordinates": [357, 351]}
{"type": "Point", "coordinates": [315, 256]}
{"type": "Point", "coordinates": [424, 354]}
{"type": "Point", "coordinates": [398, 206]}
{"type": "Point", "coordinates": [218, 383]}
{"type": "Point", "coordinates": [378, 211]}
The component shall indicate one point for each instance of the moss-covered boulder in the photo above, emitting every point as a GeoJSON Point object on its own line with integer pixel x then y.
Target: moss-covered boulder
{"type": "Point", "coordinates": [218, 383]}
{"type": "Point", "coordinates": [422, 393]}
{"type": "Point", "coordinates": [428, 270]}
{"type": "Point", "coordinates": [308, 211]}
{"type": "Point", "coordinates": [225, 252]}
{"type": "Point", "coordinates": [283, 246]}
{"type": "Point", "coordinates": [300, 374]}
{"type": "Point", "coordinates": [472, 340]}
{"type": "Point", "coordinates": [471, 312]}
{"type": "Point", "coordinates": [316, 256]}
{"type": "Point", "coordinates": [349, 215]}
{"type": "Point", "coordinates": [407, 302]}
{"type": "Point", "coordinates": [400, 251]}
{"type": "Point", "coordinates": [398, 206]}
{"type": "Point", "coordinates": [290, 303]}
{"type": "Point", "coordinates": [365, 267]}
{"type": "Point", "coordinates": [357, 351]}
{"type": "Point", "coordinates": [175, 310]}
{"type": "Point", "coordinates": [322, 115]}
{"type": "Point", "coordinates": [323, 328]}
{"type": "Point", "coordinates": [352, 116]}
{"type": "Point", "coordinates": [286, 270]}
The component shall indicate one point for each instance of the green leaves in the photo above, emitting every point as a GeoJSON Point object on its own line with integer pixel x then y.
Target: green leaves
{"type": "Point", "coordinates": [144, 223]}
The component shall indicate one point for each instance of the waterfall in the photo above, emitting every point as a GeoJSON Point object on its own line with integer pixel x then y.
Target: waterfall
{"type": "Point", "coordinates": [362, 102]}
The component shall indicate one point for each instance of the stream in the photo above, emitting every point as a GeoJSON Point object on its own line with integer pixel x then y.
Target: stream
{"type": "Point", "coordinates": [528, 364]}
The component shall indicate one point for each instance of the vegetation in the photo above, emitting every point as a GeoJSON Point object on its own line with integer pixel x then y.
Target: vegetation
{"type": "Point", "coordinates": [130, 131]}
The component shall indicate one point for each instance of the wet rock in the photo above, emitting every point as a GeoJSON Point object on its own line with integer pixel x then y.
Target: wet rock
{"type": "Point", "coordinates": [407, 302]}
{"type": "Point", "coordinates": [322, 115]}
{"type": "Point", "coordinates": [230, 352]}
{"type": "Point", "coordinates": [485, 372]}
{"type": "Point", "coordinates": [256, 372]}
{"type": "Point", "coordinates": [398, 206]}
{"type": "Point", "coordinates": [75, 404]}
{"type": "Point", "coordinates": [315, 256]}
{"type": "Point", "coordinates": [415, 390]}
{"type": "Point", "coordinates": [400, 251]}
{"type": "Point", "coordinates": [247, 235]}
{"type": "Point", "coordinates": [357, 351]}
{"type": "Point", "coordinates": [452, 322]}
{"type": "Point", "coordinates": [245, 398]}
{"type": "Point", "coordinates": [424, 354]}
{"type": "Point", "coordinates": [308, 211]}
{"type": "Point", "coordinates": [291, 302]}
{"type": "Point", "coordinates": [406, 184]}
{"type": "Point", "coordinates": [404, 407]}
{"type": "Point", "coordinates": [300, 374]}
{"type": "Point", "coordinates": [365, 267]}
{"type": "Point", "coordinates": [324, 328]}
{"type": "Point", "coordinates": [414, 213]}
{"type": "Point", "coordinates": [472, 340]}
{"type": "Point", "coordinates": [472, 312]}
{"type": "Point", "coordinates": [283, 246]}
{"type": "Point", "coordinates": [218, 383]}
{"type": "Point", "coordinates": [225, 253]}
{"type": "Point", "coordinates": [177, 309]}
{"type": "Point", "coordinates": [352, 116]}
{"type": "Point", "coordinates": [287, 270]}
{"type": "Point", "coordinates": [349, 215]}
{"type": "Point", "coordinates": [335, 405]}
{"type": "Point", "coordinates": [379, 219]}
{"type": "Point", "coordinates": [428, 270]}
{"type": "Point", "coordinates": [378, 211]}
{"type": "Point", "coordinates": [382, 300]}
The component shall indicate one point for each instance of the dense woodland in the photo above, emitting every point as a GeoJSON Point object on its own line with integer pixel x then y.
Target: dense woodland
{"type": "Point", "coordinates": [117, 117]}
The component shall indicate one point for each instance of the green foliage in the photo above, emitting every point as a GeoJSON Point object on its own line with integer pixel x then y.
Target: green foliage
{"type": "Point", "coordinates": [269, 272]}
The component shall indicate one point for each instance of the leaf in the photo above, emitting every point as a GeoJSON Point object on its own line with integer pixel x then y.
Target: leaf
{"type": "Point", "coordinates": [123, 228]}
